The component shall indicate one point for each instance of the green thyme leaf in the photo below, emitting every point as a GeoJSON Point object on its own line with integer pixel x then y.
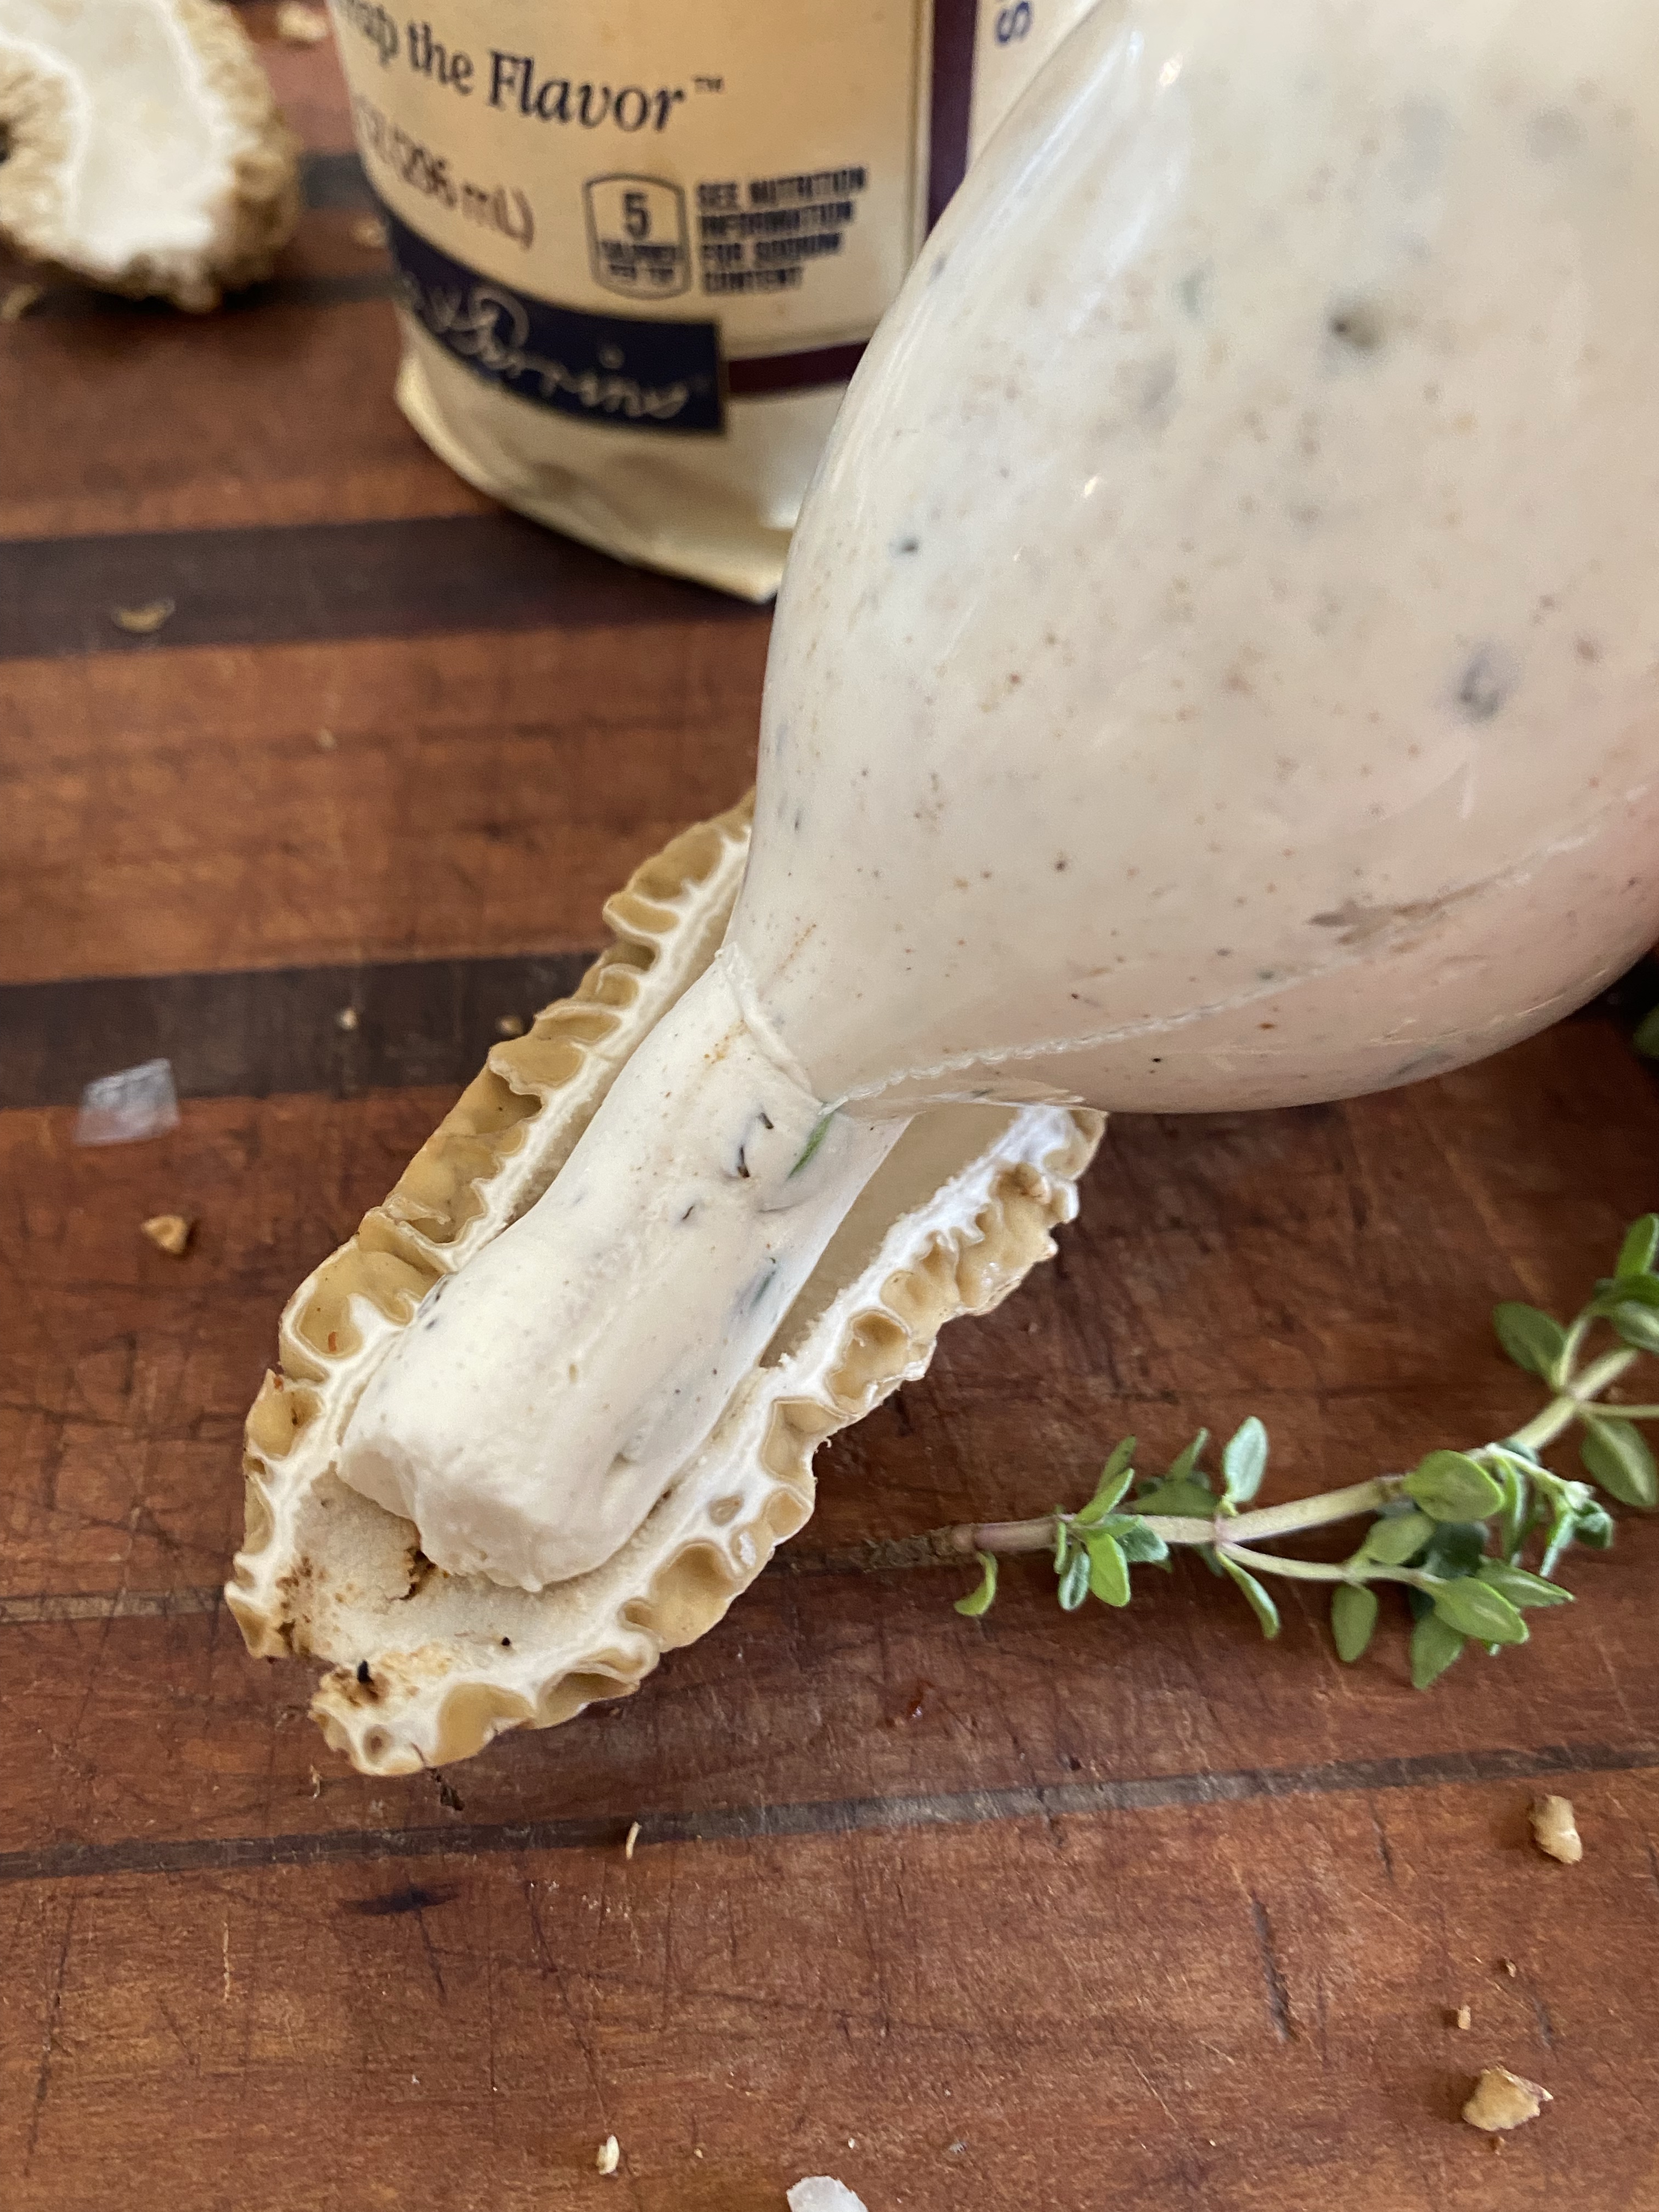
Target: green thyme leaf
{"type": "Point", "coordinates": [1187, 1498]}
{"type": "Point", "coordinates": [1475, 1608]}
{"type": "Point", "coordinates": [1261, 1604]}
{"type": "Point", "coordinates": [1637, 1324]}
{"type": "Point", "coordinates": [1516, 1511]}
{"type": "Point", "coordinates": [1063, 1541]}
{"type": "Point", "coordinates": [1646, 1039]}
{"type": "Point", "coordinates": [1641, 1244]}
{"type": "Point", "coordinates": [1449, 1486]}
{"type": "Point", "coordinates": [1533, 1340]}
{"type": "Point", "coordinates": [1456, 1549]}
{"type": "Point", "coordinates": [1393, 1539]}
{"type": "Point", "coordinates": [980, 1601]}
{"type": "Point", "coordinates": [1140, 1545]}
{"type": "Point", "coordinates": [1115, 1479]}
{"type": "Point", "coordinates": [1184, 1467]}
{"type": "Point", "coordinates": [1108, 1570]}
{"type": "Point", "coordinates": [1615, 1454]}
{"type": "Point", "coordinates": [1435, 1644]}
{"type": "Point", "coordinates": [1354, 1619]}
{"type": "Point", "coordinates": [1594, 1525]}
{"type": "Point", "coordinates": [1074, 1581]}
{"type": "Point", "coordinates": [1244, 1461]}
{"type": "Point", "coordinates": [1613, 1291]}
{"type": "Point", "coordinates": [1569, 1502]}
{"type": "Point", "coordinates": [1520, 1587]}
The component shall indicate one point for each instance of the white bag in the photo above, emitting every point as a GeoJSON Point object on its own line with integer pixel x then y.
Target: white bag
{"type": "Point", "coordinates": [641, 245]}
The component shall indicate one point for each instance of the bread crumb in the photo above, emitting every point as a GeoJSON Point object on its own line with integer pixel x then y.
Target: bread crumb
{"type": "Point", "coordinates": [609, 2156]}
{"type": "Point", "coordinates": [1463, 2018]}
{"type": "Point", "coordinates": [346, 1019]}
{"type": "Point", "coordinates": [510, 1025]}
{"type": "Point", "coordinates": [17, 301]}
{"type": "Point", "coordinates": [326, 741]}
{"type": "Point", "coordinates": [1554, 1830]}
{"type": "Point", "coordinates": [1502, 2100]}
{"type": "Point", "coordinates": [1508, 1966]}
{"type": "Point", "coordinates": [170, 1233]}
{"type": "Point", "coordinates": [632, 1838]}
{"type": "Point", "coordinates": [370, 232]}
{"type": "Point", "coordinates": [299, 25]}
{"type": "Point", "coordinates": [145, 621]}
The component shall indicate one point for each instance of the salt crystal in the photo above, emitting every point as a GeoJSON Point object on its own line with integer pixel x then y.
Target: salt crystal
{"type": "Point", "coordinates": [818, 2193]}
{"type": "Point", "coordinates": [120, 1108]}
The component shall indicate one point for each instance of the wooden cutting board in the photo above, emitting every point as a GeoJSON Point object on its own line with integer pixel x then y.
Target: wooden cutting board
{"type": "Point", "coordinates": [1111, 1911]}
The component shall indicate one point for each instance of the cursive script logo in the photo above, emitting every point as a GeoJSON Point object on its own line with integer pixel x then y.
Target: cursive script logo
{"type": "Point", "coordinates": [487, 325]}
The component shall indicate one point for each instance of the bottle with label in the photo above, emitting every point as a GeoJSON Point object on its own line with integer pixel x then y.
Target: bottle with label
{"type": "Point", "coordinates": [641, 247]}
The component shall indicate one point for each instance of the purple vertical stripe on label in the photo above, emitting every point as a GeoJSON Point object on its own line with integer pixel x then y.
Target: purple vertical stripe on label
{"type": "Point", "coordinates": [951, 102]}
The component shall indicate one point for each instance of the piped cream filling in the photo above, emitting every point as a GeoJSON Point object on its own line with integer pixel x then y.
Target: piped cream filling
{"type": "Point", "coordinates": [546, 1395]}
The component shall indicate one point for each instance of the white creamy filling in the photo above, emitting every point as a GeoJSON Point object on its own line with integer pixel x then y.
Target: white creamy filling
{"type": "Point", "coordinates": [152, 149]}
{"type": "Point", "coordinates": [546, 1397]}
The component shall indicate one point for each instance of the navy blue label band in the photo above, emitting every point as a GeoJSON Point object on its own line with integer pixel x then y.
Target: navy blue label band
{"type": "Point", "coordinates": [625, 369]}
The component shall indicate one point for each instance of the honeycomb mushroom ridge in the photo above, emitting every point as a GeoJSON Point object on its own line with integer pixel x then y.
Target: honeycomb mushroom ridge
{"type": "Point", "coordinates": [145, 151]}
{"type": "Point", "coordinates": [426, 1667]}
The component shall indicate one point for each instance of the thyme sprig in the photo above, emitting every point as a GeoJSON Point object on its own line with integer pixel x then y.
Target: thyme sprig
{"type": "Point", "coordinates": [1453, 1533]}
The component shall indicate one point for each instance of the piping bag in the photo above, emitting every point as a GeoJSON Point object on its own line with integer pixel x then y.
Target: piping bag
{"type": "Point", "coordinates": [1215, 668]}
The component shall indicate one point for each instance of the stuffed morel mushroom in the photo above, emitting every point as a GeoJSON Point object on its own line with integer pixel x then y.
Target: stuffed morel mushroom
{"type": "Point", "coordinates": [1214, 670]}
{"type": "Point", "coordinates": [427, 1665]}
{"type": "Point", "coordinates": [144, 151]}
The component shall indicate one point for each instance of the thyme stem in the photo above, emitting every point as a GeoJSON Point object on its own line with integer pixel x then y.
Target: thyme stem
{"type": "Point", "coordinates": [1009, 1538]}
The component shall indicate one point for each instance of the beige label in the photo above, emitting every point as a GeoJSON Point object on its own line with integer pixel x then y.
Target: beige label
{"type": "Point", "coordinates": [747, 161]}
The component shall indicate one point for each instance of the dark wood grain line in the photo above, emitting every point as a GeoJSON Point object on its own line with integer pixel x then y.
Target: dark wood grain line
{"type": "Point", "coordinates": [146, 1856]}
{"type": "Point", "coordinates": [251, 1034]}
{"type": "Point", "coordinates": [336, 180]}
{"type": "Point", "coordinates": [32, 1608]}
{"type": "Point", "coordinates": [78, 302]}
{"type": "Point", "coordinates": [424, 576]}
{"type": "Point", "coordinates": [46, 1608]}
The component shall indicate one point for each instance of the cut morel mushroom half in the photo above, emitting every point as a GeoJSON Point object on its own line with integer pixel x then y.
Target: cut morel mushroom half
{"type": "Point", "coordinates": [143, 150]}
{"type": "Point", "coordinates": [426, 1666]}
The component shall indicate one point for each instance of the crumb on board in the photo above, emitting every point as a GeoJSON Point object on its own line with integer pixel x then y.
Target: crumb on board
{"type": "Point", "coordinates": [145, 621]}
{"type": "Point", "coordinates": [1508, 1966]}
{"type": "Point", "coordinates": [1463, 2018]}
{"type": "Point", "coordinates": [608, 2157]}
{"type": "Point", "coordinates": [1501, 2100]}
{"type": "Point", "coordinates": [510, 1025]}
{"type": "Point", "coordinates": [299, 24]}
{"type": "Point", "coordinates": [346, 1019]}
{"type": "Point", "coordinates": [1555, 1831]}
{"type": "Point", "coordinates": [370, 233]}
{"type": "Point", "coordinates": [17, 300]}
{"type": "Point", "coordinates": [170, 1233]}
{"type": "Point", "coordinates": [632, 1837]}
